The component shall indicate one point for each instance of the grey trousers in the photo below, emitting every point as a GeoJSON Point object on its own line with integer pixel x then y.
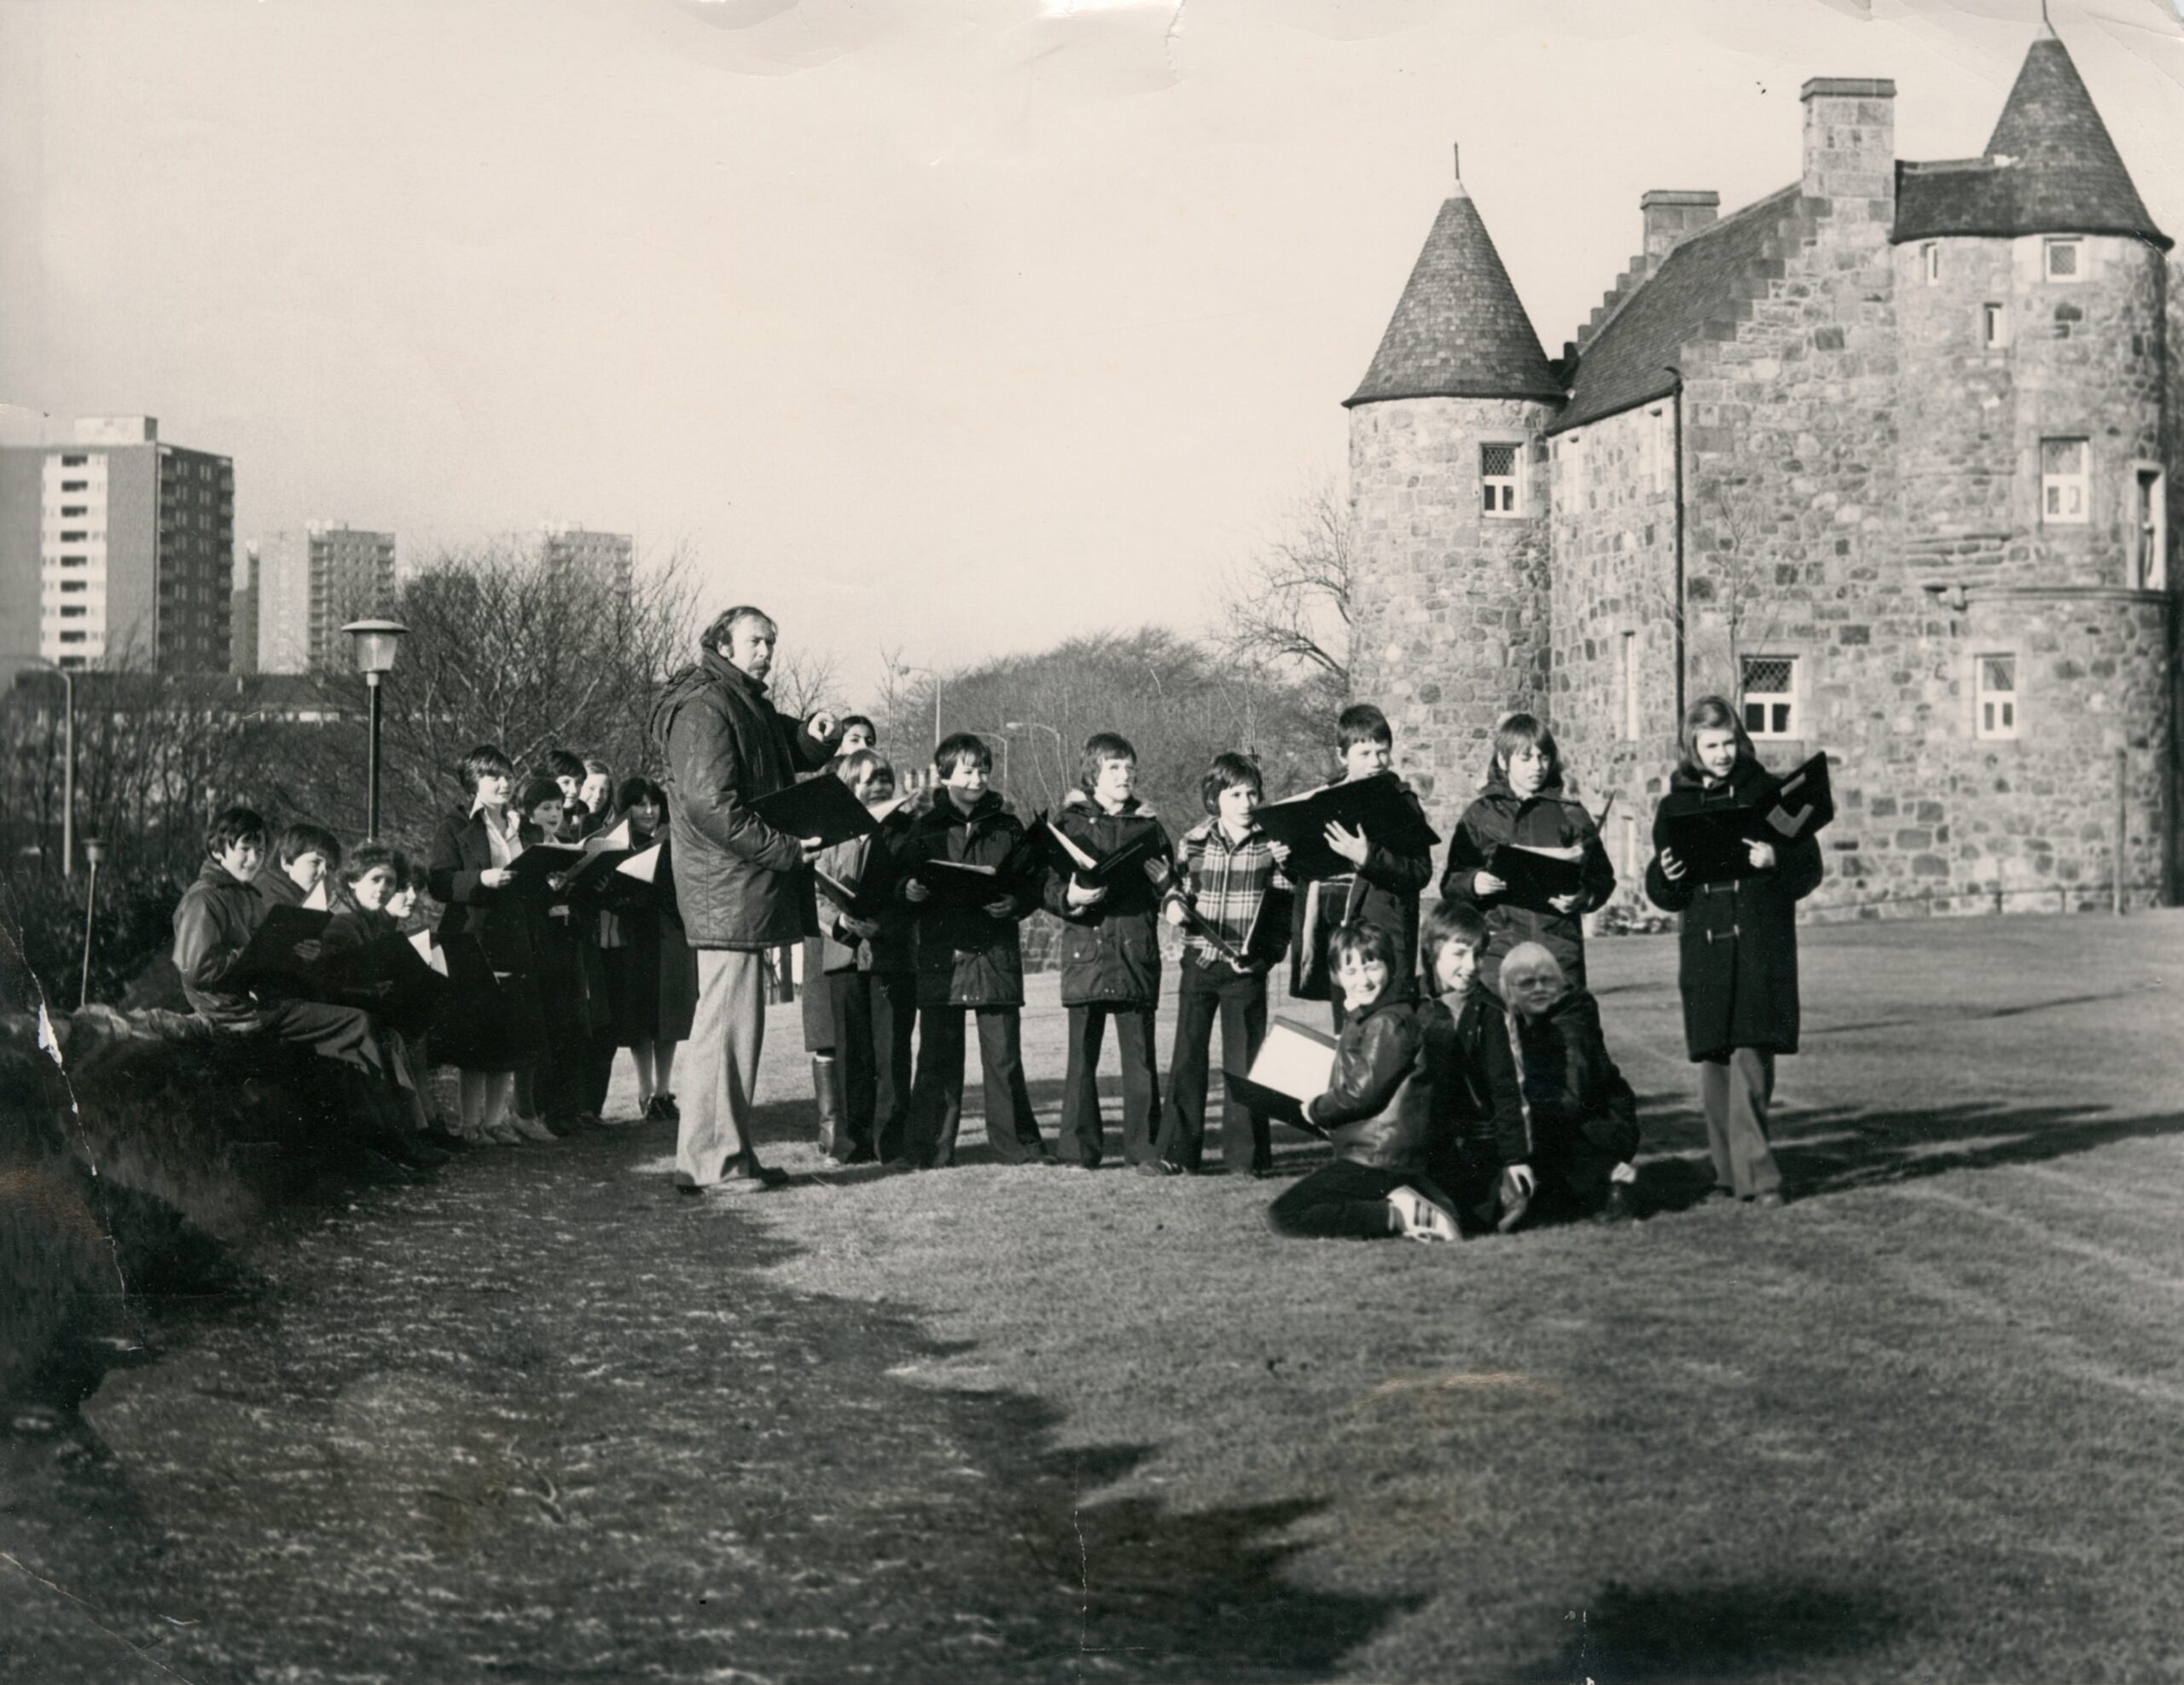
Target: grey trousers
{"type": "Point", "coordinates": [1735, 1093]}
{"type": "Point", "coordinates": [719, 1069]}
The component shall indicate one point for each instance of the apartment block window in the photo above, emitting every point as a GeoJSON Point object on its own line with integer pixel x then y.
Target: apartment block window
{"type": "Point", "coordinates": [75, 485]}
{"type": "Point", "coordinates": [67, 586]}
{"type": "Point", "coordinates": [1994, 325]}
{"type": "Point", "coordinates": [1629, 661]}
{"type": "Point", "coordinates": [73, 561]}
{"type": "Point", "coordinates": [73, 610]}
{"type": "Point", "coordinates": [2150, 530]}
{"type": "Point", "coordinates": [75, 462]}
{"type": "Point", "coordinates": [1930, 261]}
{"type": "Point", "coordinates": [2063, 482]}
{"type": "Point", "coordinates": [75, 509]}
{"type": "Point", "coordinates": [75, 638]}
{"type": "Point", "coordinates": [1770, 695]}
{"type": "Point", "coordinates": [77, 538]}
{"type": "Point", "coordinates": [2063, 259]}
{"type": "Point", "coordinates": [1995, 696]}
{"type": "Point", "coordinates": [1499, 471]}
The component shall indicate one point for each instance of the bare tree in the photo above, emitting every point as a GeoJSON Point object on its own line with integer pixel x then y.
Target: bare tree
{"type": "Point", "coordinates": [803, 680]}
{"type": "Point", "coordinates": [1289, 603]}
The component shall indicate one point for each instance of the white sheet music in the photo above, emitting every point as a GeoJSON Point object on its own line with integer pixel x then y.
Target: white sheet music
{"type": "Point", "coordinates": [1294, 1060]}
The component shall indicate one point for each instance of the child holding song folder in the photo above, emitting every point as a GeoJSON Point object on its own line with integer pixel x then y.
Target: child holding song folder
{"type": "Point", "coordinates": [970, 957]}
{"type": "Point", "coordinates": [1738, 891]}
{"type": "Point", "coordinates": [1528, 857]}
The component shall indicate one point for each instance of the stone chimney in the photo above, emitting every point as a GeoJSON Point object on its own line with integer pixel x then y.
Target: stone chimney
{"type": "Point", "coordinates": [1671, 215]}
{"type": "Point", "coordinates": [1849, 152]}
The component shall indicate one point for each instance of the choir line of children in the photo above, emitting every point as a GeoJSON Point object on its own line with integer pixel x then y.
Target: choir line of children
{"type": "Point", "coordinates": [1473, 1102]}
{"type": "Point", "coordinates": [1470, 1086]}
{"type": "Point", "coordinates": [543, 982]}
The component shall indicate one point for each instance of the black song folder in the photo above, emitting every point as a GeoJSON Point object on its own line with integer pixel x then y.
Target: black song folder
{"type": "Point", "coordinates": [822, 806]}
{"type": "Point", "coordinates": [1534, 878]}
{"type": "Point", "coordinates": [1378, 806]}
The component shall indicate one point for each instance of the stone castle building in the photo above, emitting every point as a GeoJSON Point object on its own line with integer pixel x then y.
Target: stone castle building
{"type": "Point", "coordinates": [1886, 456]}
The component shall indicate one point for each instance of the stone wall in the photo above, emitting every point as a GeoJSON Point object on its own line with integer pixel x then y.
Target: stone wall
{"type": "Point", "coordinates": [1614, 534]}
{"type": "Point", "coordinates": [1451, 624]}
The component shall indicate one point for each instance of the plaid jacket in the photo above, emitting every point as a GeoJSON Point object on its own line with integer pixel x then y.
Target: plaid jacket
{"type": "Point", "coordinates": [1226, 883]}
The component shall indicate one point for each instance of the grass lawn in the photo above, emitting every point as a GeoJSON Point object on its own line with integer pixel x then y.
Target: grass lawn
{"type": "Point", "coordinates": [1924, 1424]}
{"type": "Point", "coordinates": [540, 1418]}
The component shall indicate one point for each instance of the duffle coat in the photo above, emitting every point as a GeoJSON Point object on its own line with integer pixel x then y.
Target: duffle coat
{"type": "Point", "coordinates": [1739, 940]}
{"type": "Point", "coordinates": [965, 956]}
{"type": "Point", "coordinates": [1110, 950]}
{"type": "Point", "coordinates": [1549, 819]}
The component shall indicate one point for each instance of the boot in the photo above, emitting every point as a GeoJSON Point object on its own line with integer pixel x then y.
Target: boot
{"type": "Point", "coordinates": [827, 1093]}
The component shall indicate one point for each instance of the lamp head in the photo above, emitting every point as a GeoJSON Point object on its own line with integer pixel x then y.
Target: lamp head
{"type": "Point", "coordinates": [373, 643]}
{"type": "Point", "coordinates": [94, 851]}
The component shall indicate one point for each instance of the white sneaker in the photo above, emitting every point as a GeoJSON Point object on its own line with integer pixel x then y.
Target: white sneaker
{"type": "Point", "coordinates": [1421, 1218]}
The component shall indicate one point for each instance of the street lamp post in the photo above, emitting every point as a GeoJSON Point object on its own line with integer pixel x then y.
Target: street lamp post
{"type": "Point", "coordinates": [1061, 748]}
{"type": "Point", "coordinates": [935, 677]}
{"type": "Point", "coordinates": [93, 852]}
{"type": "Point", "coordinates": [374, 643]}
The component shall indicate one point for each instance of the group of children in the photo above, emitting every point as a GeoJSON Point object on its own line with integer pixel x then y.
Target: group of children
{"type": "Point", "coordinates": [1471, 1086]}
{"type": "Point", "coordinates": [528, 988]}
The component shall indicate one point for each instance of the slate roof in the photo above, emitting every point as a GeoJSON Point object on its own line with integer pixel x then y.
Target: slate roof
{"type": "Point", "coordinates": [1702, 289]}
{"type": "Point", "coordinates": [1459, 330]}
{"type": "Point", "coordinates": [2049, 168]}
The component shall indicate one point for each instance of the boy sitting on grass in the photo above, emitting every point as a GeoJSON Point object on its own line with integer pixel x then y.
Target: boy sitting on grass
{"type": "Point", "coordinates": [213, 925]}
{"type": "Point", "coordinates": [1478, 1110]}
{"type": "Point", "coordinates": [1378, 1111]}
{"type": "Point", "coordinates": [1583, 1116]}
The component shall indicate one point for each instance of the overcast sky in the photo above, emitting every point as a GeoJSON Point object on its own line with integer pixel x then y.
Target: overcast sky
{"type": "Point", "coordinates": [948, 326]}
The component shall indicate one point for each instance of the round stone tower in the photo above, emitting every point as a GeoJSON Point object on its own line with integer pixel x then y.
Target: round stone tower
{"type": "Point", "coordinates": [2029, 284]}
{"type": "Point", "coordinates": [1449, 495]}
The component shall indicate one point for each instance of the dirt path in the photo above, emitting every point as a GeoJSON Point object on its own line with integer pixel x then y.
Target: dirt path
{"type": "Point", "coordinates": [544, 1419]}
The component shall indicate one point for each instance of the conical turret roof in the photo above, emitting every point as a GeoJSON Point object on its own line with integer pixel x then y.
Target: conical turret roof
{"type": "Point", "coordinates": [2050, 167]}
{"type": "Point", "coordinates": [1459, 330]}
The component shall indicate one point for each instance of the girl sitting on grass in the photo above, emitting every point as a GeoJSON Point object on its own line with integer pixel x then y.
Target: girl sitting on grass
{"type": "Point", "coordinates": [1378, 1111]}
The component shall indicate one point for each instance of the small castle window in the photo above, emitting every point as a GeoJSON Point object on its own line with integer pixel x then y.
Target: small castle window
{"type": "Point", "coordinates": [1770, 697]}
{"type": "Point", "coordinates": [2063, 482]}
{"type": "Point", "coordinates": [2063, 259]}
{"type": "Point", "coordinates": [1995, 697]}
{"type": "Point", "coordinates": [1930, 260]}
{"type": "Point", "coordinates": [1994, 325]}
{"type": "Point", "coordinates": [2150, 536]}
{"type": "Point", "coordinates": [1499, 475]}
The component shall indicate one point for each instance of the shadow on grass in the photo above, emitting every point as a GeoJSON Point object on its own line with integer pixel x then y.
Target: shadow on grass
{"type": "Point", "coordinates": [803, 1455]}
{"type": "Point", "coordinates": [1833, 1149]}
{"type": "Point", "coordinates": [1632, 1634]}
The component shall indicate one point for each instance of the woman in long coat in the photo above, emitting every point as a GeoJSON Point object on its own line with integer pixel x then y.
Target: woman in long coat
{"type": "Point", "coordinates": [490, 1024]}
{"type": "Point", "coordinates": [651, 975]}
{"type": "Point", "coordinates": [1739, 970]}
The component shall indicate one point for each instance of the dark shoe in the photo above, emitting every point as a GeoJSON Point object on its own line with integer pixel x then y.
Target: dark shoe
{"type": "Point", "coordinates": [562, 1128]}
{"type": "Point", "coordinates": [413, 1151]}
{"type": "Point", "coordinates": [665, 1109]}
{"type": "Point", "coordinates": [440, 1136]}
{"type": "Point", "coordinates": [692, 1189]}
{"type": "Point", "coordinates": [752, 1178]}
{"type": "Point", "coordinates": [1621, 1205]}
{"type": "Point", "coordinates": [1159, 1167]}
{"type": "Point", "coordinates": [1717, 1192]}
{"type": "Point", "coordinates": [1769, 1201]}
